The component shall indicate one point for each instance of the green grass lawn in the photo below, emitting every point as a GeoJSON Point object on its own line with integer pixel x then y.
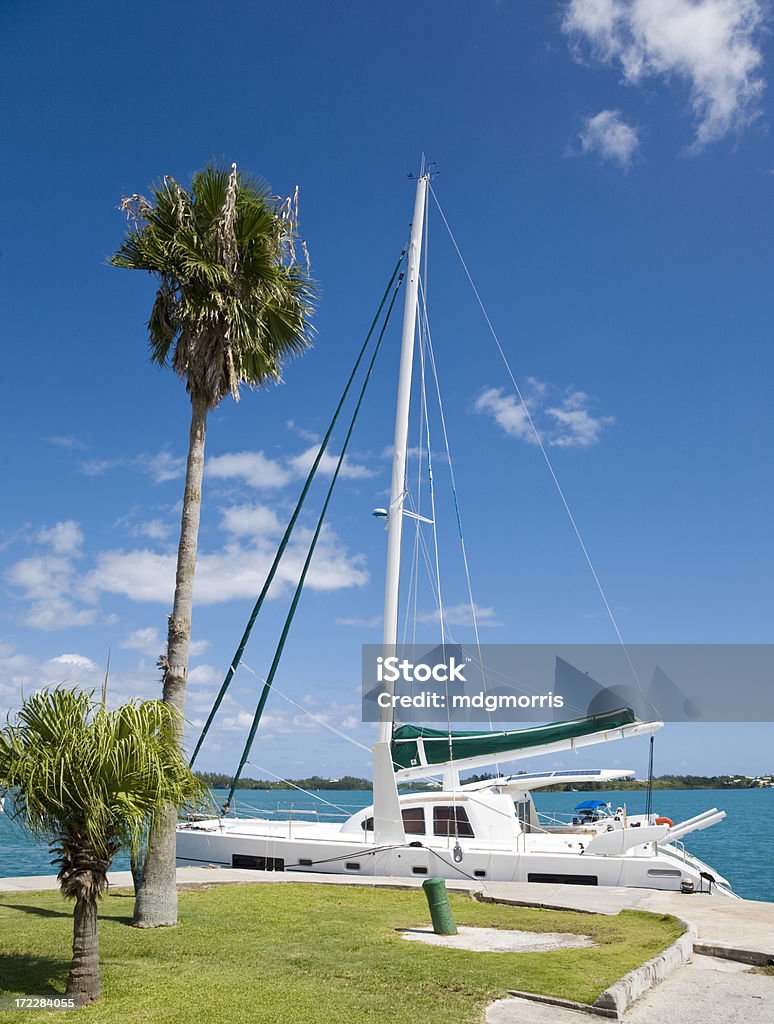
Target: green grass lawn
{"type": "Point", "coordinates": [308, 954]}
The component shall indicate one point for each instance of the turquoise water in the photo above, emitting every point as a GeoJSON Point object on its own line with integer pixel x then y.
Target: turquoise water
{"type": "Point", "coordinates": [741, 847]}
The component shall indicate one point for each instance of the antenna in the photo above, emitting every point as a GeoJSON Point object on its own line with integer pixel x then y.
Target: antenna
{"type": "Point", "coordinates": [105, 681]}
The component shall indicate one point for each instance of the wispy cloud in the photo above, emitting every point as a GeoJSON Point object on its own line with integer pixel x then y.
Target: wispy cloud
{"type": "Point", "coordinates": [302, 432]}
{"type": "Point", "coordinates": [368, 623]}
{"type": "Point", "coordinates": [148, 641]}
{"type": "Point", "coordinates": [610, 137]}
{"type": "Point", "coordinates": [49, 582]}
{"type": "Point", "coordinates": [259, 471]}
{"type": "Point", "coordinates": [155, 529]}
{"type": "Point", "coordinates": [64, 538]}
{"type": "Point", "coordinates": [711, 45]}
{"type": "Point", "coordinates": [563, 418]}
{"type": "Point", "coordinates": [462, 615]}
{"type": "Point", "coordinates": [67, 441]}
{"type": "Point", "coordinates": [161, 466]}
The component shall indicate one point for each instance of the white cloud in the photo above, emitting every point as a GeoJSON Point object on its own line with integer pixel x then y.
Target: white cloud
{"type": "Point", "coordinates": [238, 571]}
{"type": "Point", "coordinates": [250, 521]}
{"type": "Point", "coordinates": [204, 675]}
{"type": "Point", "coordinates": [155, 529]}
{"type": "Point", "coordinates": [302, 463]}
{"type": "Point", "coordinates": [75, 660]}
{"type": "Point", "coordinates": [22, 674]}
{"type": "Point", "coordinates": [711, 45]}
{"type": "Point", "coordinates": [563, 418]}
{"type": "Point", "coordinates": [575, 426]}
{"type": "Point", "coordinates": [507, 411]}
{"type": "Point", "coordinates": [50, 584]}
{"type": "Point", "coordinates": [57, 613]}
{"type": "Point", "coordinates": [146, 640]}
{"type": "Point", "coordinates": [608, 135]}
{"type": "Point", "coordinates": [253, 468]}
{"type": "Point", "coordinates": [65, 538]}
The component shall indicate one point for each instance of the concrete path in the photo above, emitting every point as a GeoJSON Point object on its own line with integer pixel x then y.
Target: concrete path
{"type": "Point", "coordinates": [707, 991]}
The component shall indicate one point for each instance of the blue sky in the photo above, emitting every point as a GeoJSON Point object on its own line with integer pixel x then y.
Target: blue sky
{"type": "Point", "coordinates": [606, 166]}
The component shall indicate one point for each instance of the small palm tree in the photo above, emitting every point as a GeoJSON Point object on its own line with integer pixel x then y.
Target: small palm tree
{"type": "Point", "coordinates": [88, 780]}
{"type": "Point", "coordinates": [232, 303]}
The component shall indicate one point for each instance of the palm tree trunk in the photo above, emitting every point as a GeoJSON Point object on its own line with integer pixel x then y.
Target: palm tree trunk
{"type": "Point", "coordinates": [156, 901]}
{"type": "Point", "coordinates": [83, 980]}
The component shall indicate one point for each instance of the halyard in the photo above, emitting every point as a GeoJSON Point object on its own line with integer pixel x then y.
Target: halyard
{"type": "Point", "coordinates": [309, 954]}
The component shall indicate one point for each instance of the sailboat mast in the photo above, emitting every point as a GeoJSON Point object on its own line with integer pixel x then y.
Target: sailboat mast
{"type": "Point", "coordinates": [400, 443]}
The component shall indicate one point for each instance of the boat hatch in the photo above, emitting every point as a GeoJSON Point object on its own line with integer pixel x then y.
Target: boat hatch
{"type": "Point", "coordinates": [243, 860]}
{"type": "Point", "coordinates": [560, 879]}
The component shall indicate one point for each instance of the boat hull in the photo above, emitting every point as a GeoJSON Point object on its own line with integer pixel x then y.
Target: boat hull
{"type": "Point", "coordinates": [263, 845]}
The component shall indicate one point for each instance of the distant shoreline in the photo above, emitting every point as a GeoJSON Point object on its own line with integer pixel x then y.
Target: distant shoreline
{"type": "Point", "coordinates": [218, 780]}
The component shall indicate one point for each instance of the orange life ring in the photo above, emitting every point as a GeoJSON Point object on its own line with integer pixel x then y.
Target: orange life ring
{"type": "Point", "coordinates": [665, 821]}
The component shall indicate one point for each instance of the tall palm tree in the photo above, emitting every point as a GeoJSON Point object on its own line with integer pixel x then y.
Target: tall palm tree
{"type": "Point", "coordinates": [88, 781]}
{"type": "Point", "coordinates": [232, 303]}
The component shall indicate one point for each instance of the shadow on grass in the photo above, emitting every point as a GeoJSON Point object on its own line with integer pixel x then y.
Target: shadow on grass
{"type": "Point", "coordinates": [40, 911]}
{"type": "Point", "coordinates": [47, 912]}
{"type": "Point", "coordinates": [25, 974]}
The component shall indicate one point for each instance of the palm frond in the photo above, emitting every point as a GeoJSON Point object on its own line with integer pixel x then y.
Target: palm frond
{"type": "Point", "coordinates": [232, 302]}
{"type": "Point", "coordinates": [88, 779]}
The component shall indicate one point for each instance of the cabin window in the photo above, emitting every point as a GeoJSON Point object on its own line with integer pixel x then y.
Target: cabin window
{"type": "Point", "coordinates": [414, 821]}
{"type": "Point", "coordinates": [451, 821]}
{"type": "Point", "coordinates": [367, 824]}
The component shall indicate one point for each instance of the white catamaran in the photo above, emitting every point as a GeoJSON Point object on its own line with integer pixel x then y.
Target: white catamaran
{"type": "Point", "coordinates": [486, 830]}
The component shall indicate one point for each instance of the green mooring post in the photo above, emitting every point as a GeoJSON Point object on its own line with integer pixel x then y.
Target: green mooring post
{"type": "Point", "coordinates": [440, 910]}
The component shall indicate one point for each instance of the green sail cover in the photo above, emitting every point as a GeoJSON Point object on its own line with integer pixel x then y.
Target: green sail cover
{"type": "Point", "coordinates": [439, 748]}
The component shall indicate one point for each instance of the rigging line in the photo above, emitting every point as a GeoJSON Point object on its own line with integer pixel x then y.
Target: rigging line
{"type": "Point", "coordinates": [414, 577]}
{"type": "Point", "coordinates": [306, 711]}
{"type": "Point", "coordinates": [418, 508]}
{"type": "Point", "coordinates": [433, 516]}
{"type": "Point", "coordinates": [541, 446]}
{"type": "Point", "coordinates": [431, 581]}
{"type": "Point", "coordinates": [431, 491]}
{"type": "Point", "coordinates": [313, 544]}
{"type": "Point", "coordinates": [296, 512]}
{"type": "Point", "coordinates": [306, 792]}
{"type": "Point", "coordinates": [457, 513]}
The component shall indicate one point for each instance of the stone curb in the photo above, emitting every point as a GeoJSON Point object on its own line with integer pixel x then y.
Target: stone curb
{"type": "Point", "coordinates": [743, 956]}
{"type": "Point", "coordinates": [566, 1004]}
{"type": "Point", "coordinates": [620, 996]}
